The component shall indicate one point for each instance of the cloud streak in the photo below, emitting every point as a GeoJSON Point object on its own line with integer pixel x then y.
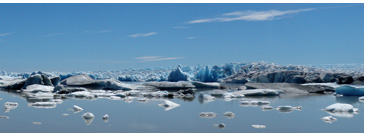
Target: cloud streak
{"type": "Point", "coordinates": [53, 34]}
{"type": "Point", "coordinates": [99, 31]}
{"type": "Point", "coordinates": [143, 34]}
{"type": "Point", "coordinates": [6, 34]}
{"type": "Point", "coordinates": [157, 58]}
{"type": "Point", "coordinates": [250, 16]}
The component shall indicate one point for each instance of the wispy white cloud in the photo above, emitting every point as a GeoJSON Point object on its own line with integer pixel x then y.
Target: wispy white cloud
{"type": "Point", "coordinates": [98, 31]}
{"type": "Point", "coordinates": [193, 37]}
{"type": "Point", "coordinates": [157, 58]}
{"type": "Point", "coordinates": [250, 16]}
{"type": "Point", "coordinates": [52, 34]}
{"type": "Point", "coordinates": [147, 57]}
{"type": "Point", "coordinates": [143, 34]}
{"type": "Point", "coordinates": [180, 27]}
{"type": "Point", "coordinates": [6, 34]}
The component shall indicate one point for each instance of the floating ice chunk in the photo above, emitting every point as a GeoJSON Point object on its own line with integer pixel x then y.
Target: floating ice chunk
{"type": "Point", "coordinates": [122, 94]}
{"type": "Point", "coordinates": [105, 118]}
{"type": "Point", "coordinates": [231, 95]}
{"type": "Point", "coordinates": [218, 93]}
{"type": "Point", "coordinates": [77, 109]}
{"type": "Point", "coordinates": [38, 88]}
{"type": "Point", "coordinates": [171, 85]}
{"type": "Point", "coordinates": [221, 125]}
{"type": "Point", "coordinates": [143, 100]}
{"type": "Point", "coordinates": [128, 99]}
{"type": "Point", "coordinates": [208, 115]}
{"type": "Point", "coordinates": [9, 106]}
{"type": "Point", "coordinates": [36, 123]}
{"type": "Point", "coordinates": [168, 105]}
{"type": "Point", "coordinates": [341, 107]}
{"type": "Point", "coordinates": [88, 118]}
{"type": "Point", "coordinates": [259, 92]}
{"type": "Point", "coordinates": [58, 101]}
{"type": "Point", "coordinates": [288, 108]}
{"type": "Point", "coordinates": [255, 103]}
{"type": "Point", "coordinates": [266, 108]}
{"type": "Point", "coordinates": [259, 126]}
{"type": "Point", "coordinates": [361, 99]}
{"type": "Point", "coordinates": [43, 104]}
{"type": "Point", "coordinates": [65, 114]}
{"type": "Point", "coordinates": [4, 117]}
{"type": "Point", "coordinates": [328, 119]}
{"type": "Point", "coordinates": [350, 90]}
{"type": "Point", "coordinates": [229, 115]}
{"type": "Point", "coordinates": [78, 80]}
{"type": "Point", "coordinates": [198, 84]}
{"type": "Point", "coordinates": [115, 98]}
{"type": "Point", "coordinates": [82, 94]}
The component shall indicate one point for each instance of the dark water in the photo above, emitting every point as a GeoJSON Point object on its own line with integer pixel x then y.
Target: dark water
{"type": "Point", "coordinates": [149, 117]}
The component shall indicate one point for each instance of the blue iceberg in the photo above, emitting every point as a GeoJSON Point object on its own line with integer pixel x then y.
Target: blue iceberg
{"type": "Point", "coordinates": [350, 90]}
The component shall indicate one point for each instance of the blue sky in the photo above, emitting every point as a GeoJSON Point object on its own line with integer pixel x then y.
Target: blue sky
{"type": "Point", "coordinates": [82, 37]}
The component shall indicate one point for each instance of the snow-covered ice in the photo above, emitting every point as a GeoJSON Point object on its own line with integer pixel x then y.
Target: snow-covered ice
{"type": "Point", "coordinates": [229, 115]}
{"type": "Point", "coordinates": [88, 117]}
{"type": "Point", "coordinates": [43, 104]}
{"type": "Point", "coordinates": [328, 119]}
{"type": "Point", "coordinates": [258, 126]}
{"type": "Point", "coordinates": [259, 92]}
{"type": "Point", "coordinates": [168, 105]}
{"type": "Point", "coordinates": [208, 115]}
{"type": "Point", "coordinates": [341, 107]}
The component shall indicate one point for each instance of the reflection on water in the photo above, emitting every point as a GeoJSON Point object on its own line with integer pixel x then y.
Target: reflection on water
{"type": "Point", "coordinates": [139, 113]}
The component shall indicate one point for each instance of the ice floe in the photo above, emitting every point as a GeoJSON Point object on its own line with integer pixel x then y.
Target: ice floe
{"type": "Point", "coordinates": [229, 115]}
{"type": "Point", "coordinates": [164, 85]}
{"type": "Point", "coordinates": [287, 108]}
{"type": "Point", "coordinates": [105, 118]}
{"type": "Point", "coordinates": [43, 104]}
{"type": "Point", "coordinates": [341, 110]}
{"type": "Point", "coordinates": [10, 105]}
{"type": "Point", "coordinates": [259, 92]}
{"type": "Point", "coordinates": [36, 123]}
{"type": "Point", "coordinates": [221, 125]}
{"type": "Point", "coordinates": [267, 108]}
{"type": "Point", "coordinates": [258, 126]}
{"type": "Point", "coordinates": [205, 98]}
{"type": "Point", "coordinates": [254, 103]}
{"type": "Point", "coordinates": [38, 88]}
{"type": "Point", "coordinates": [76, 109]}
{"type": "Point", "coordinates": [212, 85]}
{"type": "Point", "coordinates": [168, 105]}
{"type": "Point", "coordinates": [328, 119]}
{"type": "Point", "coordinates": [4, 117]}
{"type": "Point", "coordinates": [208, 115]}
{"type": "Point", "coordinates": [88, 118]}
{"type": "Point", "coordinates": [361, 99]}
{"type": "Point", "coordinates": [350, 90]}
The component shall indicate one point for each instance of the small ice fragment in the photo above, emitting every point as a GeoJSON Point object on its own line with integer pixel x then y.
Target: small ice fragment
{"type": "Point", "coordinates": [115, 98]}
{"type": "Point", "coordinates": [266, 108]}
{"type": "Point", "coordinates": [88, 118]}
{"type": "Point", "coordinates": [288, 108]}
{"type": "Point", "coordinates": [57, 101]}
{"type": "Point", "coordinates": [43, 104]}
{"type": "Point", "coordinates": [36, 123]}
{"type": "Point", "coordinates": [143, 100]}
{"type": "Point", "coordinates": [77, 109]}
{"type": "Point", "coordinates": [259, 126]}
{"type": "Point", "coordinates": [65, 114]}
{"type": "Point", "coordinates": [209, 115]}
{"type": "Point", "coordinates": [168, 105]}
{"type": "Point", "coordinates": [4, 117]}
{"type": "Point", "coordinates": [229, 115]}
{"type": "Point", "coordinates": [105, 118]}
{"type": "Point", "coordinates": [328, 119]}
{"type": "Point", "coordinates": [259, 103]}
{"type": "Point", "coordinates": [361, 99]}
{"type": "Point", "coordinates": [221, 125]}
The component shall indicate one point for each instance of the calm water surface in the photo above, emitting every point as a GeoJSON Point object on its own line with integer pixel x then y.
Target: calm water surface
{"type": "Point", "coordinates": [149, 117]}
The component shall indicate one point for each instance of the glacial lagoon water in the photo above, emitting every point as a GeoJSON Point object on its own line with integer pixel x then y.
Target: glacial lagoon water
{"type": "Point", "coordinates": [149, 117]}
